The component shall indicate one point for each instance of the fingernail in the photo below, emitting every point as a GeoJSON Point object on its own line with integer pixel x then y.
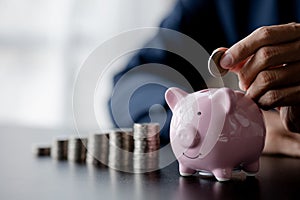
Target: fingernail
{"type": "Point", "coordinates": [248, 92]}
{"type": "Point", "coordinates": [226, 61]}
{"type": "Point", "coordinates": [242, 87]}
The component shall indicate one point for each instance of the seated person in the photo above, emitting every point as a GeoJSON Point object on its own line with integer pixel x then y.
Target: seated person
{"type": "Point", "coordinates": [266, 61]}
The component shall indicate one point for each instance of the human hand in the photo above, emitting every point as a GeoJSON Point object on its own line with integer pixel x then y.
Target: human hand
{"type": "Point", "coordinates": [278, 139]}
{"type": "Point", "coordinates": [267, 63]}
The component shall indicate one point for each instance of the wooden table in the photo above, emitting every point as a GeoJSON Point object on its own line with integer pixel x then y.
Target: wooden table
{"type": "Point", "coordinates": [24, 176]}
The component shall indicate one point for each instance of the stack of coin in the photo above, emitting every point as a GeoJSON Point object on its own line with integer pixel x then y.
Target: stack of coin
{"type": "Point", "coordinates": [120, 149]}
{"type": "Point", "coordinates": [77, 149]}
{"type": "Point", "coordinates": [127, 140]}
{"type": "Point", "coordinates": [59, 149]}
{"type": "Point", "coordinates": [115, 151]}
{"type": "Point", "coordinates": [41, 150]}
{"type": "Point", "coordinates": [98, 150]}
{"type": "Point", "coordinates": [146, 146]}
{"type": "Point", "coordinates": [128, 148]}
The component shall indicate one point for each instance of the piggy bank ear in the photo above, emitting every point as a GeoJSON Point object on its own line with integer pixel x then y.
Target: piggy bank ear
{"type": "Point", "coordinates": [173, 95]}
{"type": "Point", "coordinates": [224, 99]}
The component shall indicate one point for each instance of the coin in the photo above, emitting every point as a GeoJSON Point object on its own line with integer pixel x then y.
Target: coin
{"type": "Point", "coordinates": [98, 149]}
{"type": "Point", "coordinates": [146, 146]}
{"type": "Point", "coordinates": [126, 149]}
{"type": "Point", "coordinates": [41, 149]}
{"type": "Point", "coordinates": [214, 66]}
{"type": "Point", "coordinates": [120, 149]}
{"type": "Point", "coordinates": [59, 149]}
{"type": "Point", "coordinates": [77, 149]}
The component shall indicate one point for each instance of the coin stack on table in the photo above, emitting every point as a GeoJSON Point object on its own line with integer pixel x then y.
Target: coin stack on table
{"type": "Point", "coordinates": [41, 149]}
{"type": "Point", "coordinates": [98, 149]}
{"type": "Point", "coordinates": [59, 149]}
{"type": "Point", "coordinates": [146, 146]}
{"type": "Point", "coordinates": [77, 149]}
{"type": "Point", "coordinates": [128, 148]}
{"type": "Point", "coordinates": [115, 142]}
{"type": "Point", "coordinates": [120, 149]}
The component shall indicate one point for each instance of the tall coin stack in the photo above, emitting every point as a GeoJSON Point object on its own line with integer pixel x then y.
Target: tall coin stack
{"type": "Point", "coordinates": [59, 149]}
{"type": "Point", "coordinates": [146, 146]}
{"type": "Point", "coordinates": [77, 149]}
{"type": "Point", "coordinates": [120, 149]}
{"type": "Point", "coordinates": [98, 149]}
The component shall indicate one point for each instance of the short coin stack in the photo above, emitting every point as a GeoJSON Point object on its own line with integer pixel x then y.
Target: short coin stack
{"type": "Point", "coordinates": [59, 149]}
{"type": "Point", "coordinates": [146, 146]}
{"type": "Point", "coordinates": [98, 149]}
{"type": "Point", "coordinates": [41, 150]}
{"type": "Point", "coordinates": [77, 149]}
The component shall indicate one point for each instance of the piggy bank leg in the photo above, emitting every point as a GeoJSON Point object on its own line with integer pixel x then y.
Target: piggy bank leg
{"type": "Point", "coordinates": [222, 174]}
{"type": "Point", "coordinates": [251, 169]}
{"type": "Point", "coordinates": [185, 171]}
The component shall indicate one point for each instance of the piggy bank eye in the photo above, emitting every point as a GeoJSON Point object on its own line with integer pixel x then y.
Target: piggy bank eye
{"type": "Point", "coordinates": [199, 113]}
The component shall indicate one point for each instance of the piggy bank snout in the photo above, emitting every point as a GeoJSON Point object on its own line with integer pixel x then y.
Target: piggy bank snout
{"type": "Point", "coordinates": [188, 137]}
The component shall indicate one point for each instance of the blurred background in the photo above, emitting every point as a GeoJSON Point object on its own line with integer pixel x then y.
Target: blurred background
{"type": "Point", "coordinates": [44, 43]}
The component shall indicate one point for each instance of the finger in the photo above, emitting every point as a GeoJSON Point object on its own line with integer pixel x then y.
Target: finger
{"type": "Point", "coordinates": [288, 96]}
{"type": "Point", "coordinates": [274, 78]}
{"type": "Point", "coordinates": [236, 68]}
{"type": "Point", "coordinates": [264, 36]}
{"type": "Point", "coordinates": [267, 57]}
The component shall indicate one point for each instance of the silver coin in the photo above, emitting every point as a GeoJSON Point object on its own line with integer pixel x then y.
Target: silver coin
{"type": "Point", "coordinates": [59, 148]}
{"type": "Point", "coordinates": [121, 149]}
{"type": "Point", "coordinates": [214, 66]}
{"type": "Point", "coordinates": [41, 149]}
{"type": "Point", "coordinates": [77, 149]}
{"type": "Point", "coordinates": [98, 149]}
{"type": "Point", "coordinates": [121, 146]}
{"type": "Point", "coordinates": [146, 142]}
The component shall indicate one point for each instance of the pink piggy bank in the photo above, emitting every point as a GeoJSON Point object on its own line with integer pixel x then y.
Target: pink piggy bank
{"type": "Point", "coordinates": [215, 131]}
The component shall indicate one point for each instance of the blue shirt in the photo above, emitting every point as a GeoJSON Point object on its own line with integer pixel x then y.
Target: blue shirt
{"type": "Point", "coordinates": [213, 24]}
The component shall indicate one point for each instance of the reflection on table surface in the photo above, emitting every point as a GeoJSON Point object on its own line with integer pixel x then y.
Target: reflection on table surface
{"type": "Point", "coordinates": [24, 176]}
